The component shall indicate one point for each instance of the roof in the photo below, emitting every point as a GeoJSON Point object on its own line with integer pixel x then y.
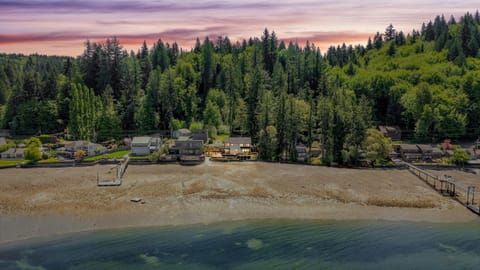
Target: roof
{"type": "Point", "coordinates": [409, 147]}
{"type": "Point", "coordinates": [76, 144]}
{"type": "Point", "coordinates": [9, 151]}
{"type": "Point", "coordinates": [200, 134]}
{"type": "Point", "coordinates": [389, 128]}
{"type": "Point", "coordinates": [188, 144]}
{"type": "Point", "coordinates": [239, 140]}
{"type": "Point", "coordinates": [183, 131]}
{"type": "Point", "coordinates": [13, 150]}
{"type": "Point", "coordinates": [141, 140]}
{"type": "Point", "coordinates": [3, 141]}
{"type": "Point", "coordinates": [301, 149]}
{"type": "Point", "coordinates": [425, 147]}
{"type": "Point", "coordinates": [4, 133]}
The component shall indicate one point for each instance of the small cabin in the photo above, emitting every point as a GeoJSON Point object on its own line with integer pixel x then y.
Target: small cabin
{"type": "Point", "coordinates": [302, 155]}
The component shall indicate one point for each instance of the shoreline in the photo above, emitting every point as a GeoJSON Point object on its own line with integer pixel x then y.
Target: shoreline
{"type": "Point", "coordinates": [46, 202]}
{"type": "Point", "coordinates": [53, 225]}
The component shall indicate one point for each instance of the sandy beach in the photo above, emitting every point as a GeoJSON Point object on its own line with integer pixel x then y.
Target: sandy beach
{"type": "Point", "coordinates": [47, 201]}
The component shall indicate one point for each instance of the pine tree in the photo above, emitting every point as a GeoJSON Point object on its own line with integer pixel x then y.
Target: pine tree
{"type": "Point", "coordinates": [390, 33]}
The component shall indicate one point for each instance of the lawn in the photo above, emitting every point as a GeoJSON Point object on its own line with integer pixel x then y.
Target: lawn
{"type": "Point", "coordinates": [8, 162]}
{"type": "Point", "coordinates": [118, 154]}
{"type": "Point", "coordinates": [50, 160]}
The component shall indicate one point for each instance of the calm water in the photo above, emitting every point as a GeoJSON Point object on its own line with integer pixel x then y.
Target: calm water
{"type": "Point", "coordinates": [257, 245]}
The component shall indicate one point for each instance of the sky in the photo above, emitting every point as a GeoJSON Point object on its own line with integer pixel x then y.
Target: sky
{"type": "Point", "coordinates": [57, 27]}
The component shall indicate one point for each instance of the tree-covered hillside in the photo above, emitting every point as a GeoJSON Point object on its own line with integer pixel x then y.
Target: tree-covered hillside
{"type": "Point", "coordinates": [427, 82]}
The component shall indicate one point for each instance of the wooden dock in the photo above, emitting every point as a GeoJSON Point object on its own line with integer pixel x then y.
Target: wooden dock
{"type": "Point", "coordinates": [446, 185]}
{"type": "Point", "coordinates": [121, 168]}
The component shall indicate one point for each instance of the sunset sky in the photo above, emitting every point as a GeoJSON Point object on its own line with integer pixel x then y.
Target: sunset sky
{"type": "Point", "coordinates": [61, 27]}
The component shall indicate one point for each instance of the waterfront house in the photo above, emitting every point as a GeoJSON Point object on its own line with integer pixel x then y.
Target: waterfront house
{"type": "Point", "coordinates": [410, 152]}
{"type": "Point", "coordinates": [145, 145]}
{"type": "Point", "coordinates": [200, 135]}
{"type": "Point", "coordinates": [189, 147]}
{"type": "Point", "coordinates": [13, 153]}
{"type": "Point", "coordinates": [392, 132]}
{"type": "Point", "coordinates": [238, 146]}
{"type": "Point", "coordinates": [426, 150]}
{"type": "Point", "coordinates": [90, 148]}
{"type": "Point", "coordinates": [188, 152]}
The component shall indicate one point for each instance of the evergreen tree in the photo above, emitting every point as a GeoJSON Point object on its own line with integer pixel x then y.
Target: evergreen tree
{"type": "Point", "coordinates": [390, 33]}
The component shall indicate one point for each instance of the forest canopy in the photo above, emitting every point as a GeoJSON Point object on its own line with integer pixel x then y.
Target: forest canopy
{"type": "Point", "coordinates": [427, 82]}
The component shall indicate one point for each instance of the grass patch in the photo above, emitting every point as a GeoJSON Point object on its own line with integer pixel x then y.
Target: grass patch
{"type": "Point", "coordinates": [147, 158]}
{"type": "Point", "coordinates": [9, 162]}
{"type": "Point", "coordinates": [118, 154]}
{"type": "Point", "coordinates": [50, 160]}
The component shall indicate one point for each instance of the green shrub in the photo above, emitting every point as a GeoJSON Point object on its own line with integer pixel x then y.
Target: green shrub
{"type": "Point", "coordinates": [459, 157]}
{"type": "Point", "coordinates": [44, 139]}
{"type": "Point", "coordinates": [315, 161]}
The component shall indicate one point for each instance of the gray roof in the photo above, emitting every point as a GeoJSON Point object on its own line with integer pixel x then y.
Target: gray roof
{"type": "Point", "coordinates": [4, 132]}
{"type": "Point", "coordinates": [425, 147]}
{"type": "Point", "coordinates": [76, 144]}
{"type": "Point", "coordinates": [14, 151]}
{"type": "Point", "coordinates": [409, 147]}
{"type": "Point", "coordinates": [239, 140]}
{"type": "Point", "coordinates": [183, 131]}
{"type": "Point", "coordinates": [188, 144]}
{"type": "Point", "coordinates": [145, 140]}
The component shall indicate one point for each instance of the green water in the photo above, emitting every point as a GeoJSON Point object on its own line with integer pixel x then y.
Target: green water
{"type": "Point", "coordinates": [257, 245]}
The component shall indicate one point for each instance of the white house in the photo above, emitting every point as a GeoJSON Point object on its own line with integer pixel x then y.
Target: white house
{"type": "Point", "coordinates": [91, 148]}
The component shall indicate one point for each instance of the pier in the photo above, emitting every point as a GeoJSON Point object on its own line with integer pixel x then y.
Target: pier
{"type": "Point", "coordinates": [121, 168]}
{"type": "Point", "coordinates": [447, 186]}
